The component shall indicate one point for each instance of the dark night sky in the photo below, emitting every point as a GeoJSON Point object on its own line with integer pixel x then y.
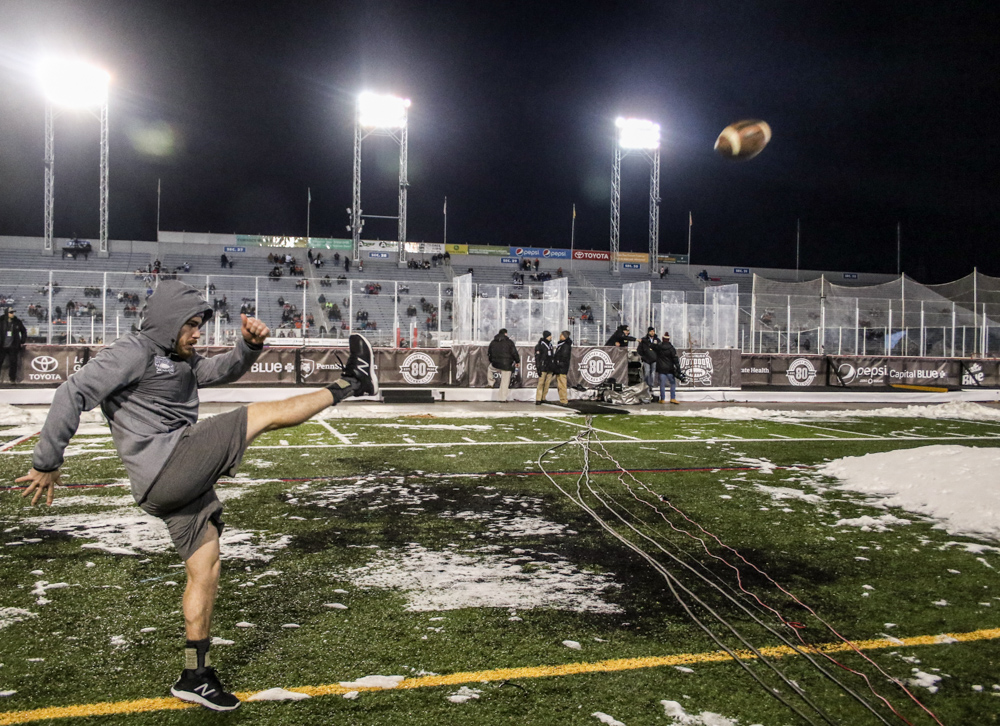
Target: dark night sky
{"type": "Point", "coordinates": [881, 111]}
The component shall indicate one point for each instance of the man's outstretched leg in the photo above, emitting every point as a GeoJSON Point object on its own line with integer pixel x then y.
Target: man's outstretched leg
{"type": "Point", "coordinates": [199, 683]}
{"type": "Point", "coordinates": [358, 378]}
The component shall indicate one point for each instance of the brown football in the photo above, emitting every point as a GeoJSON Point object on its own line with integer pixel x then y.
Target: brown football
{"type": "Point", "coordinates": [743, 140]}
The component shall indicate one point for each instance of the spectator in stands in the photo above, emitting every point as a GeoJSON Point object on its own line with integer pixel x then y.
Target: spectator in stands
{"type": "Point", "coordinates": [503, 356]}
{"type": "Point", "coordinates": [648, 356]}
{"type": "Point", "coordinates": [224, 260]}
{"type": "Point", "coordinates": [187, 267]}
{"type": "Point", "coordinates": [12, 337]}
{"type": "Point", "coordinates": [536, 264]}
{"type": "Point", "coordinates": [347, 264]}
{"type": "Point", "coordinates": [559, 272]}
{"type": "Point", "coordinates": [361, 265]}
{"type": "Point", "coordinates": [543, 366]}
{"type": "Point", "coordinates": [309, 254]}
{"type": "Point", "coordinates": [664, 271]}
{"type": "Point", "coordinates": [668, 368]}
{"type": "Point", "coordinates": [620, 338]}
{"type": "Point", "coordinates": [703, 275]}
{"type": "Point", "coordinates": [336, 258]}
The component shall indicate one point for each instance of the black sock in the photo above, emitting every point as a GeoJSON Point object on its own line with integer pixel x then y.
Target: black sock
{"type": "Point", "coordinates": [196, 654]}
{"type": "Point", "coordinates": [343, 388]}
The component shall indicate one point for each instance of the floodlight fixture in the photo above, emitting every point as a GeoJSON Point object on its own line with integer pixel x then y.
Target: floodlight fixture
{"type": "Point", "coordinates": [382, 111]}
{"type": "Point", "coordinates": [70, 83]}
{"type": "Point", "coordinates": [635, 133]}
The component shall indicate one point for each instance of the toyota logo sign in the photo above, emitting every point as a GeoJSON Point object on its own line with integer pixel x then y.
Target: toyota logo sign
{"type": "Point", "coordinates": [44, 363]}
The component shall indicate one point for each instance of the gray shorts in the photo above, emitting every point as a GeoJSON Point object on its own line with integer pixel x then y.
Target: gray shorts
{"type": "Point", "coordinates": [183, 493]}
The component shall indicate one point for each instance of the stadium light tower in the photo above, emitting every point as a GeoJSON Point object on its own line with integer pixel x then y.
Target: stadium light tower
{"type": "Point", "coordinates": [642, 137]}
{"type": "Point", "coordinates": [379, 115]}
{"type": "Point", "coordinates": [71, 84]}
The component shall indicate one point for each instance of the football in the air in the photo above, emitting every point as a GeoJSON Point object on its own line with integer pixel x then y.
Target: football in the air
{"type": "Point", "coordinates": [743, 140]}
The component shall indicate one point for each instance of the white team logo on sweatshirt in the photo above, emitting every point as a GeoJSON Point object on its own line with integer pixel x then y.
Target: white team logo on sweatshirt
{"type": "Point", "coordinates": [163, 364]}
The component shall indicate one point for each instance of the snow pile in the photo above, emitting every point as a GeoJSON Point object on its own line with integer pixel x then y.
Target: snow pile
{"type": "Point", "coordinates": [780, 493]}
{"type": "Point", "coordinates": [964, 410]}
{"type": "Point", "coordinates": [675, 711]}
{"type": "Point", "coordinates": [605, 718]}
{"type": "Point", "coordinates": [945, 482]}
{"type": "Point", "coordinates": [9, 616]}
{"type": "Point", "coordinates": [384, 682]}
{"type": "Point", "coordinates": [130, 531]}
{"type": "Point", "coordinates": [435, 580]}
{"type": "Point", "coordinates": [872, 524]}
{"type": "Point", "coordinates": [278, 694]}
{"type": "Point", "coordinates": [924, 680]}
{"type": "Point", "coordinates": [464, 694]}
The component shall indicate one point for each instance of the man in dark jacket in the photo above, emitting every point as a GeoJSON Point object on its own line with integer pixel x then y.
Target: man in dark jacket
{"type": "Point", "coordinates": [503, 356]}
{"type": "Point", "coordinates": [648, 357]}
{"type": "Point", "coordinates": [12, 337]}
{"type": "Point", "coordinates": [561, 356]}
{"type": "Point", "coordinates": [668, 368]}
{"type": "Point", "coordinates": [620, 337]}
{"type": "Point", "coordinates": [147, 384]}
{"type": "Point", "coordinates": [543, 365]}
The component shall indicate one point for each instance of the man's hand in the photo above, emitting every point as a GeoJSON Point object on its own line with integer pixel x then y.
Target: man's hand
{"type": "Point", "coordinates": [41, 482]}
{"type": "Point", "coordinates": [254, 331]}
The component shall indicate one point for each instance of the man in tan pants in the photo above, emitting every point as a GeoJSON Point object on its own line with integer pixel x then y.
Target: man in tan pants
{"type": "Point", "coordinates": [543, 366]}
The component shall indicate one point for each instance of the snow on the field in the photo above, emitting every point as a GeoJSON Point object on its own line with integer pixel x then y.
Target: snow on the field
{"type": "Point", "coordinates": [9, 616]}
{"type": "Point", "coordinates": [605, 718]}
{"type": "Point", "coordinates": [780, 493]}
{"type": "Point", "coordinates": [438, 427]}
{"type": "Point", "coordinates": [872, 524]}
{"type": "Point", "coordinates": [924, 680]}
{"type": "Point", "coordinates": [449, 580]}
{"type": "Point", "coordinates": [384, 682]}
{"type": "Point", "coordinates": [572, 644]}
{"type": "Point", "coordinates": [464, 694]}
{"type": "Point", "coordinates": [278, 694]}
{"type": "Point", "coordinates": [945, 482]}
{"type": "Point", "coordinates": [964, 410]}
{"type": "Point", "coordinates": [130, 531]}
{"type": "Point", "coordinates": [14, 416]}
{"type": "Point", "coordinates": [676, 712]}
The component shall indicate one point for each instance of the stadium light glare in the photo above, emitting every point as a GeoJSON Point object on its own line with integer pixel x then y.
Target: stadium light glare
{"type": "Point", "coordinates": [382, 111]}
{"type": "Point", "coordinates": [634, 133]}
{"type": "Point", "coordinates": [72, 83]}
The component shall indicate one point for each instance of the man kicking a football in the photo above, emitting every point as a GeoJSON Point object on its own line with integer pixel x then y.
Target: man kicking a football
{"type": "Point", "coordinates": [147, 387]}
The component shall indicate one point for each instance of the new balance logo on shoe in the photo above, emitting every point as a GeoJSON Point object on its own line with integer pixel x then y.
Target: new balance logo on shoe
{"type": "Point", "coordinates": [205, 690]}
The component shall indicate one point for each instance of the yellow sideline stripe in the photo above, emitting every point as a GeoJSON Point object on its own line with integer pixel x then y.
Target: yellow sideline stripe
{"type": "Point", "coordinates": [499, 674]}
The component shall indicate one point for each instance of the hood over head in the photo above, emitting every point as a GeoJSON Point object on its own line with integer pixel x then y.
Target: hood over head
{"type": "Point", "coordinates": [171, 305]}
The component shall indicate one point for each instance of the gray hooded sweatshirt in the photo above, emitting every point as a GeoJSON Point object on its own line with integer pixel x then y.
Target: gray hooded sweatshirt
{"type": "Point", "coordinates": [147, 393]}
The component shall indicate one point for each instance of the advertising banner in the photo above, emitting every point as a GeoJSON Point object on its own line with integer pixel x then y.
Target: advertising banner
{"type": "Point", "coordinates": [881, 372]}
{"type": "Point", "coordinates": [424, 248]}
{"type": "Point", "coordinates": [639, 257]}
{"type": "Point", "coordinates": [542, 252]}
{"type": "Point", "coordinates": [50, 365]}
{"type": "Point", "coordinates": [488, 250]}
{"type": "Point", "coordinates": [330, 243]}
{"type": "Point", "coordinates": [381, 244]}
{"type": "Point", "coordinates": [456, 249]}
{"type": "Point", "coordinates": [672, 259]}
{"type": "Point", "coordinates": [275, 367]}
{"type": "Point", "coordinates": [589, 366]}
{"type": "Point", "coordinates": [599, 255]}
{"type": "Point", "coordinates": [263, 240]}
{"type": "Point", "coordinates": [719, 368]}
{"type": "Point", "coordinates": [783, 370]}
{"type": "Point", "coordinates": [867, 371]}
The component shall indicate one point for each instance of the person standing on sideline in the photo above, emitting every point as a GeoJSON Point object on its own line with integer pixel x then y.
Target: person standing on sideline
{"type": "Point", "coordinates": [147, 384]}
{"type": "Point", "coordinates": [503, 356]}
{"type": "Point", "coordinates": [12, 337]}
{"type": "Point", "coordinates": [648, 357]}
{"type": "Point", "coordinates": [620, 338]}
{"type": "Point", "coordinates": [668, 368]}
{"type": "Point", "coordinates": [561, 358]}
{"type": "Point", "coordinates": [543, 366]}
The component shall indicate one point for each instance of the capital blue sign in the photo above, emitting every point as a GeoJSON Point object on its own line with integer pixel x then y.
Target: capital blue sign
{"type": "Point", "coordinates": [631, 265]}
{"type": "Point", "coordinates": [236, 249]}
{"type": "Point", "coordinates": [545, 252]}
{"type": "Point", "coordinates": [741, 270]}
{"type": "Point", "coordinates": [379, 255]}
{"type": "Point", "coordinates": [509, 260]}
{"type": "Point", "coordinates": [850, 276]}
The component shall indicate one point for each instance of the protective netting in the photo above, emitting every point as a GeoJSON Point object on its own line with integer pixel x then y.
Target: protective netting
{"type": "Point", "coordinates": [462, 300]}
{"type": "Point", "coordinates": [636, 306]}
{"type": "Point", "coordinates": [555, 305]}
{"type": "Point", "coordinates": [900, 317]}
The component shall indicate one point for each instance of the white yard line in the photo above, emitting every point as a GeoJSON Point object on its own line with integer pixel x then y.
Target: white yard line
{"type": "Point", "coordinates": [827, 428]}
{"type": "Point", "coordinates": [779, 436]}
{"type": "Point", "coordinates": [466, 438]}
{"type": "Point", "coordinates": [603, 431]}
{"type": "Point", "coordinates": [15, 442]}
{"type": "Point", "coordinates": [328, 427]}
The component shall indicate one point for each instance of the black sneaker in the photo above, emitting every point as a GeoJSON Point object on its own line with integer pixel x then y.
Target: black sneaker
{"type": "Point", "coordinates": [360, 366]}
{"type": "Point", "coordinates": [205, 690]}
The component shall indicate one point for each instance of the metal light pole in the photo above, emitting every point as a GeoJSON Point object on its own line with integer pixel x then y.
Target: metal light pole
{"type": "Point", "coordinates": [71, 84]}
{"type": "Point", "coordinates": [636, 135]}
